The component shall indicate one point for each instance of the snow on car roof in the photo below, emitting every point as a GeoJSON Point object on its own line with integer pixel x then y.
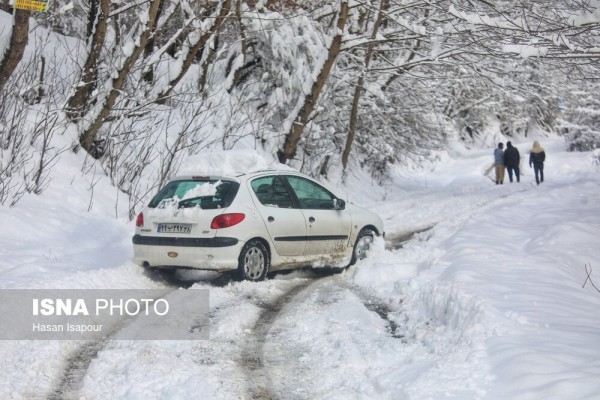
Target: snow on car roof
{"type": "Point", "coordinates": [229, 163]}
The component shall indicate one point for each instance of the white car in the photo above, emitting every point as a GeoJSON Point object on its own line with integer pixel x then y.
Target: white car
{"type": "Point", "coordinates": [253, 223]}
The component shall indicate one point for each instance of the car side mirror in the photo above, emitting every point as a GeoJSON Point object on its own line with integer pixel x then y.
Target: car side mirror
{"type": "Point", "coordinates": [339, 204]}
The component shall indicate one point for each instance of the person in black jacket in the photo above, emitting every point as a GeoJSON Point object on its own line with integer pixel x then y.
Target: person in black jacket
{"type": "Point", "coordinates": [537, 156]}
{"type": "Point", "coordinates": [512, 158]}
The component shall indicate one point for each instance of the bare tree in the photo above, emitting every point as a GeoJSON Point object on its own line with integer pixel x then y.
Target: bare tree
{"type": "Point", "coordinates": [43, 133]}
{"type": "Point", "coordinates": [148, 75]}
{"type": "Point", "coordinates": [80, 99]}
{"type": "Point", "coordinates": [14, 147]}
{"type": "Point", "coordinates": [243, 54]}
{"type": "Point", "coordinates": [118, 81]}
{"type": "Point", "coordinates": [130, 150]}
{"type": "Point", "coordinates": [196, 43]}
{"type": "Point", "coordinates": [360, 83]}
{"type": "Point", "coordinates": [27, 151]}
{"type": "Point", "coordinates": [309, 101]}
{"type": "Point", "coordinates": [565, 30]}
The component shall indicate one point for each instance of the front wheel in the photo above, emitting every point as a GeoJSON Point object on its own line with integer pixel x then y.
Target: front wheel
{"type": "Point", "coordinates": [253, 263]}
{"type": "Point", "coordinates": [362, 245]}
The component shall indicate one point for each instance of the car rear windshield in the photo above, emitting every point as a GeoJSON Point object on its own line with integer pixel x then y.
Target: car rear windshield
{"type": "Point", "coordinates": [206, 194]}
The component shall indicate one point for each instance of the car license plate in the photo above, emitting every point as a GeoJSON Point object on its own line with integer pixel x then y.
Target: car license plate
{"type": "Point", "coordinates": [174, 228]}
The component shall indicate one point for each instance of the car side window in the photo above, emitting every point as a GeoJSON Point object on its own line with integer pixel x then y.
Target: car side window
{"type": "Point", "coordinates": [271, 192]}
{"type": "Point", "coordinates": [310, 194]}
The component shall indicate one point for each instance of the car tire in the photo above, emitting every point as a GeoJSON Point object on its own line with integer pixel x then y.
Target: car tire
{"type": "Point", "coordinates": [362, 245]}
{"type": "Point", "coordinates": [253, 263]}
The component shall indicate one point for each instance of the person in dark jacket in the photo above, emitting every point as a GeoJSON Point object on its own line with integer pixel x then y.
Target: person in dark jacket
{"type": "Point", "coordinates": [512, 158]}
{"type": "Point", "coordinates": [499, 163]}
{"type": "Point", "coordinates": [537, 156]}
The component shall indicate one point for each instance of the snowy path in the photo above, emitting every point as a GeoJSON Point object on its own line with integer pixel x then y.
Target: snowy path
{"type": "Point", "coordinates": [254, 360]}
{"type": "Point", "coordinates": [483, 301]}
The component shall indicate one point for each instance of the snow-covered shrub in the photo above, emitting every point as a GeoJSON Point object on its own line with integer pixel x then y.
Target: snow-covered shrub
{"type": "Point", "coordinates": [582, 138]}
{"type": "Point", "coordinates": [581, 124]}
{"type": "Point", "coordinates": [14, 148]}
{"type": "Point", "coordinates": [27, 149]}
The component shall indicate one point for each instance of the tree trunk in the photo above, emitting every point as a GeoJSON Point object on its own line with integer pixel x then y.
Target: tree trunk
{"type": "Point", "coordinates": [295, 134]}
{"type": "Point", "coordinates": [40, 91]}
{"type": "Point", "coordinates": [118, 82]}
{"type": "Point", "coordinates": [210, 58]}
{"type": "Point", "coordinates": [359, 87]}
{"type": "Point", "coordinates": [16, 47]}
{"type": "Point", "coordinates": [78, 102]}
{"type": "Point", "coordinates": [193, 51]}
{"type": "Point", "coordinates": [92, 18]}
{"type": "Point", "coordinates": [243, 46]}
{"type": "Point", "coordinates": [148, 75]}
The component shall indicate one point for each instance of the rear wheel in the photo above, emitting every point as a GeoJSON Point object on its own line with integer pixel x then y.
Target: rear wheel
{"type": "Point", "coordinates": [362, 245]}
{"type": "Point", "coordinates": [253, 263]}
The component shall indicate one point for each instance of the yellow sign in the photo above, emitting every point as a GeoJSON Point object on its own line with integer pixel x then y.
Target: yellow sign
{"type": "Point", "coordinates": [32, 5]}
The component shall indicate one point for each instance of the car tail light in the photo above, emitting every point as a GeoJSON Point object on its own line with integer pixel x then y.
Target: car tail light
{"type": "Point", "coordinates": [226, 220]}
{"type": "Point", "coordinates": [140, 220]}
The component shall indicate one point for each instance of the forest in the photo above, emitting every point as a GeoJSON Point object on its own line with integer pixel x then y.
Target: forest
{"type": "Point", "coordinates": [332, 85]}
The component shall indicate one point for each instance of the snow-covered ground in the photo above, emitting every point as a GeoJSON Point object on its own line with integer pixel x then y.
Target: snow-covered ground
{"type": "Point", "coordinates": [485, 302]}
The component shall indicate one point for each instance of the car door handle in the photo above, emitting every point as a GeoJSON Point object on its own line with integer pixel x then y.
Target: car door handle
{"type": "Point", "coordinates": [311, 219]}
{"type": "Point", "coordinates": [270, 219]}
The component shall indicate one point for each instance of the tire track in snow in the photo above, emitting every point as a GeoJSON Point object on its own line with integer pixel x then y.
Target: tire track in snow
{"type": "Point", "coordinates": [77, 366]}
{"type": "Point", "coordinates": [80, 360]}
{"type": "Point", "coordinates": [260, 384]}
{"type": "Point", "coordinates": [259, 381]}
{"type": "Point", "coordinates": [378, 306]}
{"type": "Point", "coordinates": [252, 361]}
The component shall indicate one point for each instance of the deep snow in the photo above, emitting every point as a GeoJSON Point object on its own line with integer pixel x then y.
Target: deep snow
{"type": "Point", "coordinates": [486, 302]}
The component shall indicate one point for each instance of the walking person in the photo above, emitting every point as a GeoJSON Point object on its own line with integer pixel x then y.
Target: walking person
{"type": "Point", "coordinates": [537, 156]}
{"type": "Point", "coordinates": [499, 163]}
{"type": "Point", "coordinates": [512, 158]}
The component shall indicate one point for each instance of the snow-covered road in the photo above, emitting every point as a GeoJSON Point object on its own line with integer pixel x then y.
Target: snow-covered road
{"type": "Point", "coordinates": [485, 300]}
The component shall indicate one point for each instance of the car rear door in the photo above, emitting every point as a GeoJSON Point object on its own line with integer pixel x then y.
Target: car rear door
{"type": "Point", "coordinates": [284, 221]}
{"type": "Point", "coordinates": [327, 228]}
